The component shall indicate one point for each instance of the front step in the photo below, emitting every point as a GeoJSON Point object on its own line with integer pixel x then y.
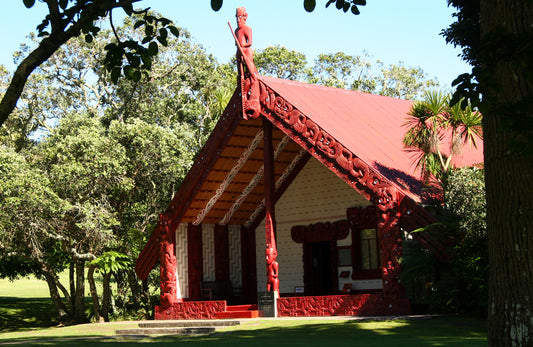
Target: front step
{"type": "Point", "coordinates": [167, 331]}
{"type": "Point", "coordinates": [240, 311]}
{"type": "Point", "coordinates": [190, 323]}
{"type": "Point", "coordinates": [190, 328]}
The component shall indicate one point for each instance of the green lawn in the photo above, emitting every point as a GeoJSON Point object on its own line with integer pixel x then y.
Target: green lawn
{"type": "Point", "coordinates": [27, 318]}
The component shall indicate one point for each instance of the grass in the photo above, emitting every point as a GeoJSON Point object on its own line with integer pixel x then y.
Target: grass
{"type": "Point", "coordinates": [27, 318]}
{"type": "Point", "coordinates": [442, 331]}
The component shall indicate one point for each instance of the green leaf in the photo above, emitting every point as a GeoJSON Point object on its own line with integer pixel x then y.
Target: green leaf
{"type": "Point", "coordinates": [88, 38]}
{"type": "Point", "coordinates": [29, 3]}
{"type": "Point", "coordinates": [163, 33]}
{"type": "Point", "coordinates": [339, 4]}
{"type": "Point", "coordinates": [359, 2]}
{"type": "Point", "coordinates": [162, 41]}
{"type": "Point", "coordinates": [174, 30]}
{"type": "Point", "coordinates": [139, 24]}
{"type": "Point", "coordinates": [309, 5]}
{"type": "Point", "coordinates": [216, 5]}
{"type": "Point", "coordinates": [115, 74]}
{"type": "Point", "coordinates": [149, 30]}
{"type": "Point", "coordinates": [355, 10]}
{"type": "Point", "coordinates": [153, 49]}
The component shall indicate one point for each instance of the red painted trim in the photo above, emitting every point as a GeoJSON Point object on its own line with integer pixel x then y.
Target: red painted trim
{"type": "Point", "coordinates": [340, 305]}
{"type": "Point", "coordinates": [221, 253]}
{"type": "Point", "coordinates": [195, 260]}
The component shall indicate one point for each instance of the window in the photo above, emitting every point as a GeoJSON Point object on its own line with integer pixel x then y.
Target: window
{"type": "Point", "coordinates": [365, 254]}
{"type": "Point", "coordinates": [369, 250]}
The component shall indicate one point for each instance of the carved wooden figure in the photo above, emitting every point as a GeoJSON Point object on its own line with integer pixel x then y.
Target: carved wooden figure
{"type": "Point", "coordinates": [169, 295]}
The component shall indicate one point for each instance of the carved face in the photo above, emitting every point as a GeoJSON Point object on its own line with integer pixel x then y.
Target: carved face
{"type": "Point", "coordinates": [242, 16]}
{"type": "Point", "coordinates": [271, 255]}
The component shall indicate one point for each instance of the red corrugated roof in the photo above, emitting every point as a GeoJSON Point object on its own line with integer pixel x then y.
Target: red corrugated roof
{"type": "Point", "coordinates": [370, 126]}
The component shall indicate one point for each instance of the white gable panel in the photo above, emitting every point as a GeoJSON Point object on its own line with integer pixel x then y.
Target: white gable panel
{"type": "Point", "coordinates": [316, 195]}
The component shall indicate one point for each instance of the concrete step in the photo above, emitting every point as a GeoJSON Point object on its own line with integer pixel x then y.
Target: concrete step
{"type": "Point", "coordinates": [189, 323]}
{"type": "Point", "coordinates": [167, 331]}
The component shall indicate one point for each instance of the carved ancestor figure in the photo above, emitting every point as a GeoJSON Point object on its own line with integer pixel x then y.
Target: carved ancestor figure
{"type": "Point", "coordinates": [168, 262]}
{"type": "Point", "coordinates": [272, 268]}
{"type": "Point", "coordinates": [247, 69]}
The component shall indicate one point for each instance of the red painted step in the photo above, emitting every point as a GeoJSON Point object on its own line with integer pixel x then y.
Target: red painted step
{"type": "Point", "coordinates": [240, 311]}
{"type": "Point", "coordinates": [249, 307]}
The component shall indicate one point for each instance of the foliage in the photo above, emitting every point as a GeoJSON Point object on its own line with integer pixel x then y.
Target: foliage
{"type": "Point", "coordinates": [281, 62]}
{"type": "Point", "coordinates": [437, 132]}
{"type": "Point", "coordinates": [69, 19]}
{"type": "Point", "coordinates": [461, 285]}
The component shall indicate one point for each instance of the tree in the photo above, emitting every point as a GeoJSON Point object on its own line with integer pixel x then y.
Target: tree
{"type": "Point", "coordinates": [404, 82]}
{"type": "Point", "coordinates": [497, 40]}
{"type": "Point", "coordinates": [124, 57]}
{"type": "Point", "coordinates": [431, 124]}
{"type": "Point", "coordinates": [281, 62]}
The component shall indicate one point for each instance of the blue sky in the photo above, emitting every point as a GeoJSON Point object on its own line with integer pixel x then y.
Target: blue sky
{"type": "Point", "coordinates": [390, 30]}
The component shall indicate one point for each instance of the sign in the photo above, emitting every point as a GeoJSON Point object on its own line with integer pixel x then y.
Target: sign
{"type": "Point", "coordinates": [267, 303]}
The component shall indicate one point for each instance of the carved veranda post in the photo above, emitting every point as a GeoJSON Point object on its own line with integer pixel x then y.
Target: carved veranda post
{"type": "Point", "coordinates": [271, 252]}
{"type": "Point", "coordinates": [167, 259]}
{"type": "Point", "coordinates": [390, 237]}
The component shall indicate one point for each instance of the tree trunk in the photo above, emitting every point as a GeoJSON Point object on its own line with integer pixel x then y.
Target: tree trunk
{"type": "Point", "coordinates": [106, 296]}
{"type": "Point", "coordinates": [94, 294]}
{"type": "Point", "coordinates": [79, 305]}
{"type": "Point", "coordinates": [507, 108]}
{"type": "Point", "coordinates": [61, 309]}
{"type": "Point", "coordinates": [72, 285]}
{"type": "Point", "coordinates": [135, 287]}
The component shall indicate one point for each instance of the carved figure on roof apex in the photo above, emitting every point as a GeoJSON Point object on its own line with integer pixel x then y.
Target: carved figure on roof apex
{"type": "Point", "coordinates": [247, 70]}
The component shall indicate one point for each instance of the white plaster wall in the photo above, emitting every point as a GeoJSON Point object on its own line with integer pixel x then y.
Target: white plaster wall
{"type": "Point", "coordinates": [316, 195]}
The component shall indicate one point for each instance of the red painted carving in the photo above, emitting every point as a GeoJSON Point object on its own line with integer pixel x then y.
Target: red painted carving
{"type": "Point", "coordinates": [272, 269]}
{"type": "Point", "coordinates": [390, 237]}
{"type": "Point", "coordinates": [194, 260]}
{"type": "Point", "coordinates": [247, 70]}
{"type": "Point", "coordinates": [337, 305]}
{"type": "Point", "coordinates": [319, 232]}
{"type": "Point", "coordinates": [168, 262]}
{"type": "Point", "coordinates": [362, 217]}
{"type": "Point", "coordinates": [190, 310]}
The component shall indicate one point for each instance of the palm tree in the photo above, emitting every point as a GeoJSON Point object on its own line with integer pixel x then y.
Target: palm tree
{"type": "Point", "coordinates": [437, 132]}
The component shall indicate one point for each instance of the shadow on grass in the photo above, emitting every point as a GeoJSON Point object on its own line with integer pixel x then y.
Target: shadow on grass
{"type": "Point", "coordinates": [26, 313]}
{"type": "Point", "coordinates": [444, 331]}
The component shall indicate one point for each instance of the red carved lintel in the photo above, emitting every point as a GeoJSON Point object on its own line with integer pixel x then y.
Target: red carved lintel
{"type": "Point", "coordinates": [319, 232]}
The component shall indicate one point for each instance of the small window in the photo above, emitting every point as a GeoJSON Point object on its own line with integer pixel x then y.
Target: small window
{"type": "Point", "coordinates": [345, 256]}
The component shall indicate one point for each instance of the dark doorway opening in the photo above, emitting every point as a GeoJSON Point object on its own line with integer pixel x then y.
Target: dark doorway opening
{"type": "Point", "coordinates": [321, 269]}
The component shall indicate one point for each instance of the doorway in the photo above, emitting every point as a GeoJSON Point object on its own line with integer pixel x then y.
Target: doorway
{"type": "Point", "coordinates": [319, 268]}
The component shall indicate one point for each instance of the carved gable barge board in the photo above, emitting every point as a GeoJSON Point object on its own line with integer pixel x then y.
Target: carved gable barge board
{"type": "Point", "coordinates": [205, 160]}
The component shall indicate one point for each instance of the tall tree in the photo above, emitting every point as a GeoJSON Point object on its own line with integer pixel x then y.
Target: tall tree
{"type": "Point", "coordinates": [497, 39]}
{"type": "Point", "coordinates": [71, 18]}
{"type": "Point", "coordinates": [281, 62]}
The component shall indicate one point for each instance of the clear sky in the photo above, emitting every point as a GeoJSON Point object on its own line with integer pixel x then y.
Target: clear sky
{"type": "Point", "coordinates": [390, 30]}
